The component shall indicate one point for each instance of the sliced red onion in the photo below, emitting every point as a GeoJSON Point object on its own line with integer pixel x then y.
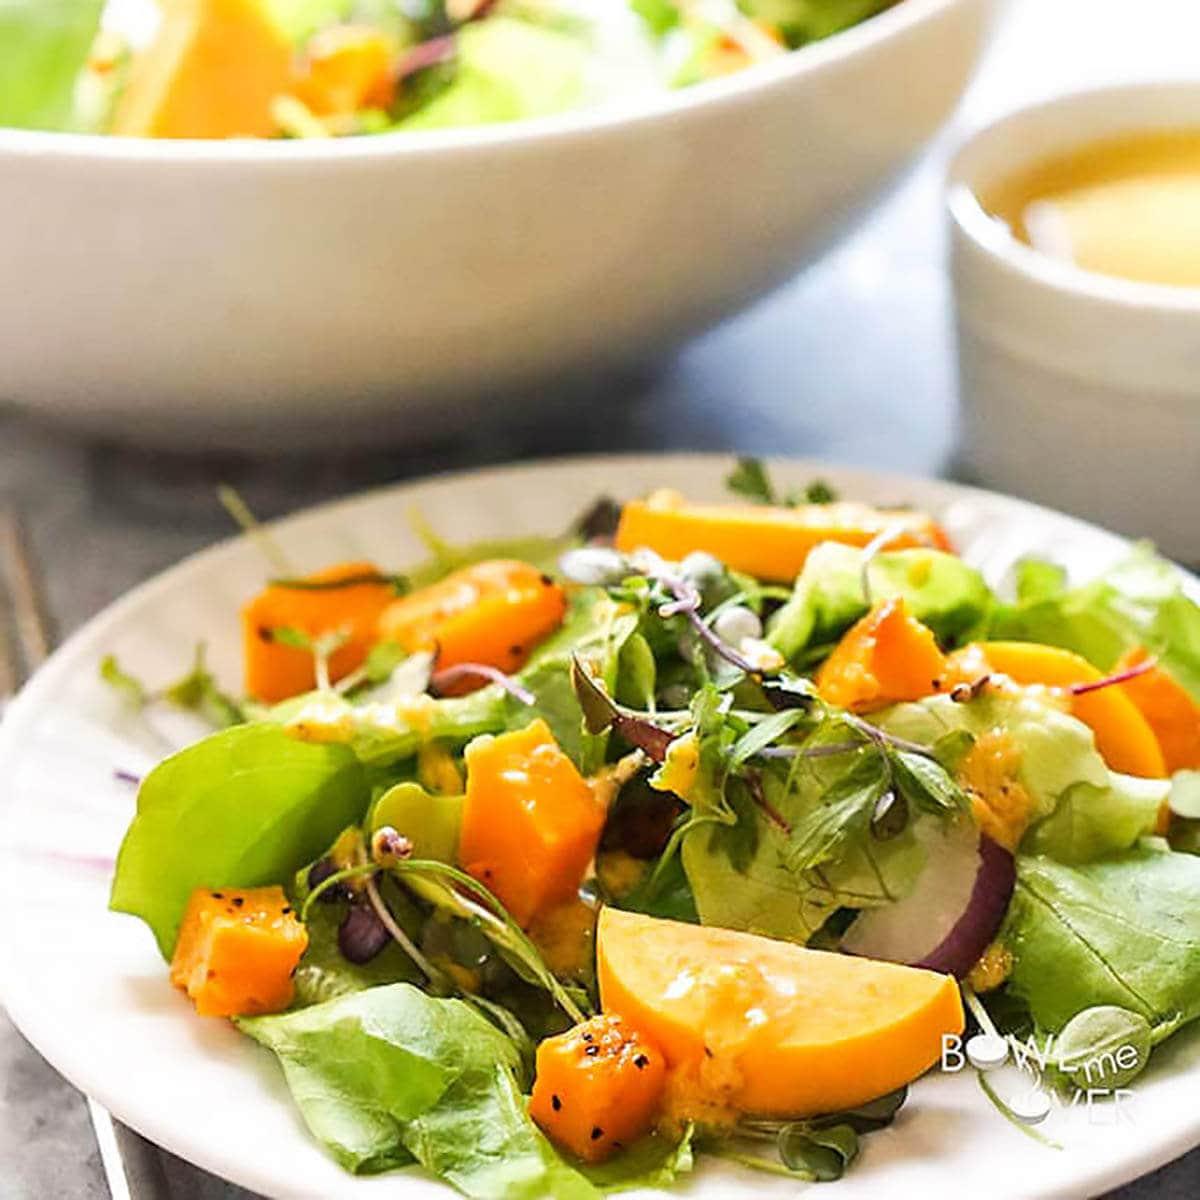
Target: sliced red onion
{"type": "Point", "coordinates": [952, 914]}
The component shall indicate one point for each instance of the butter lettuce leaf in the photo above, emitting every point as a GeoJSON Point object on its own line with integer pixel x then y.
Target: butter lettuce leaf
{"type": "Point", "coordinates": [941, 590]}
{"type": "Point", "coordinates": [392, 1075]}
{"type": "Point", "coordinates": [244, 807]}
{"type": "Point", "coordinates": [740, 854]}
{"type": "Point", "coordinates": [1080, 809]}
{"type": "Point", "coordinates": [43, 47]}
{"type": "Point", "coordinates": [506, 70]}
{"type": "Point", "coordinates": [1140, 601]}
{"type": "Point", "coordinates": [1122, 931]}
{"type": "Point", "coordinates": [802, 21]}
{"type": "Point", "coordinates": [385, 733]}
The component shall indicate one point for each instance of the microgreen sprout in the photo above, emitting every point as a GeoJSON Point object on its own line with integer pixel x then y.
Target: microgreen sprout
{"type": "Point", "coordinates": [1082, 689]}
{"type": "Point", "coordinates": [250, 525]}
{"type": "Point", "coordinates": [448, 676]}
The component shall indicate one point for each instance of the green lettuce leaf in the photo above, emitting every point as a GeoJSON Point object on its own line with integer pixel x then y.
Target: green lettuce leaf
{"type": "Point", "coordinates": [802, 21]}
{"type": "Point", "coordinates": [652, 1162]}
{"type": "Point", "coordinates": [782, 863]}
{"type": "Point", "coordinates": [299, 19]}
{"type": "Point", "coordinates": [43, 47]}
{"type": "Point", "coordinates": [323, 973]}
{"type": "Point", "coordinates": [244, 807]}
{"type": "Point", "coordinates": [506, 70]}
{"type": "Point", "coordinates": [941, 590]}
{"type": "Point", "coordinates": [596, 629]}
{"type": "Point", "coordinates": [389, 1075]}
{"type": "Point", "coordinates": [1122, 931]}
{"type": "Point", "coordinates": [1140, 601]}
{"type": "Point", "coordinates": [383, 734]}
{"type": "Point", "coordinates": [1081, 809]}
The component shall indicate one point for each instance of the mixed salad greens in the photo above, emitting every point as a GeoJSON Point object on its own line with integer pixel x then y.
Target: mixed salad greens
{"type": "Point", "coordinates": [324, 68]}
{"type": "Point", "coordinates": [552, 865]}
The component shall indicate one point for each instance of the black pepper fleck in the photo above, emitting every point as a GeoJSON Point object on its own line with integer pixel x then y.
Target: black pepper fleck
{"type": "Point", "coordinates": [547, 581]}
{"type": "Point", "coordinates": [592, 1051]}
{"type": "Point", "coordinates": [641, 1062]}
{"type": "Point", "coordinates": [238, 901]}
{"type": "Point", "coordinates": [587, 1037]}
{"type": "Point", "coordinates": [218, 895]}
{"type": "Point", "coordinates": [597, 1133]}
{"type": "Point", "coordinates": [287, 908]}
{"type": "Point", "coordinates": [556, 1104]}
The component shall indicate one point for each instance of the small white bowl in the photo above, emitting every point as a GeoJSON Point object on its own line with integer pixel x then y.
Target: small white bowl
{"type": "Point", "coordinates": [1078, 390]}
{"type": "Point", "coordinates": [227, 293]}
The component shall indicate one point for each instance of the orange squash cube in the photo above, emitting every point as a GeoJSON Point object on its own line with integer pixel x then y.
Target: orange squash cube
{"type": "Point", "coordinates": [274, 671]}
{"type": "Point", "coordinates": [530, 821]}
{"type": "Point", "coordinates": [347, 68]}
{"type": "Point", "coordinates": [491, 612]}
{"type": "Point", "coordinates": [889, 656]}
{"type": "Point", "coordinates": [598, 1087]}
{"type": "Point", "coordinates": [237, 950]}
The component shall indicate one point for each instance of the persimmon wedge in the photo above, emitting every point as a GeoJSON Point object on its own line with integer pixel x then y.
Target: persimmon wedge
{"type": "Point", "coordinates": [211, 71]}
{"type": "Point", "coordinates": [788, 1031]}
{"type": "Point", "coordinates": [765, 541]}
{"type": "Point", "coordinates": [1168, 708]}
{"type": "Point", "coordinates": [1123, 736]}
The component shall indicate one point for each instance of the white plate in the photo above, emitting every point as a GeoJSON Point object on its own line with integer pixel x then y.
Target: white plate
{"type": "Point", "coordinates": [87, 986]}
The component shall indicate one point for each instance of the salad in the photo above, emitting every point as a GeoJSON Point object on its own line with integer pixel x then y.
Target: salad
{"type": "Point", "coordinates": [328, 68]}
{"type": "Point", "coordinates": [553, 865]}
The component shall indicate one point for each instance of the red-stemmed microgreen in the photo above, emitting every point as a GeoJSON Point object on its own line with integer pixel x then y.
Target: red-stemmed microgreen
{"type": "Point", "coordinates": [601, 712]}
{"type": "Point", "coordinates": [1115, 680]}
{"type": "Point", "coordinates": [447, 677]}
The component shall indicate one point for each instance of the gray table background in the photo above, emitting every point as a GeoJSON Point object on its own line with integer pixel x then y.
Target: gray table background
{"type": "Point", "coordinates": [851, 362]}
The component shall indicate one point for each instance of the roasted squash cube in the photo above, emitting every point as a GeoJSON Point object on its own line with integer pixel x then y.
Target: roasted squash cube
{"type": "Point", "coordinates": [530, 820]}
{"type": "Point", "coordinates": [274, 670]}
{"type": "Point", "coordinates": [492, 612]}
{"type": "Point", "coordinates": [598, 1088]}
{"type": "Point", "coordinates": [237, 950]}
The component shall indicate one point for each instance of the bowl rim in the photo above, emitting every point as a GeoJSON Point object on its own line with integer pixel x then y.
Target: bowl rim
{"type": "Point", "coordinates": [993, 240]}
{"type": "Point", "coordinates": [671, 105]}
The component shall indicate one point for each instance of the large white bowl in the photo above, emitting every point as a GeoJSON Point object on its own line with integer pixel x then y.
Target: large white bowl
{"type": "Point", "coordinates": [294, 291]}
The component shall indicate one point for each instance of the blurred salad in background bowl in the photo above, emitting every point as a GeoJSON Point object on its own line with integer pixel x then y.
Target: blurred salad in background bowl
{"type": "Point", "coordinates": [329, 68]}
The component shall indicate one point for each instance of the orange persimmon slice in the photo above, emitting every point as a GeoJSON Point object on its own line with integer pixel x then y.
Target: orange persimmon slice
{"type": "Point", "coordinates": [781, 1030]}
